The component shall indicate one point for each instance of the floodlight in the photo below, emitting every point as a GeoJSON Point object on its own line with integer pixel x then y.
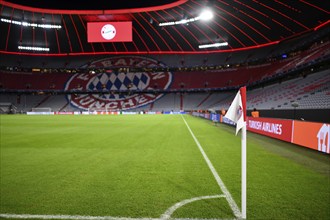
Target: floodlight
{"type": "Point", "coordinates": [33, 48]}
{"type": "Point", "coordinates": [206, 15]}
{"type": "Point", "coordinates": [213, 45]}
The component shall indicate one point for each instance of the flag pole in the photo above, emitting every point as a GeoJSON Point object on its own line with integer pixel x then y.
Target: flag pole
{"type": "Point", "coordinates": [244, 172]}
{"type": "Point", "coordinates": [237, 114]}
{"type": "Point", "coordinates": [243, 143]}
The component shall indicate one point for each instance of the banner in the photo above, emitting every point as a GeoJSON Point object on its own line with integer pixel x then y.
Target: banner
{"type": "Point", "coordinates": [312, 135]}
{"type": "Point", "coordinates": [109, 31]}
{"type": "Point", "coordinates": [215, 117]}
{"type": "Point", "coordinates": [276, 128]}
{"type": "Point", "coordinates": [40, 113]}
{"type": "Point", "coordinates": [64, 113]}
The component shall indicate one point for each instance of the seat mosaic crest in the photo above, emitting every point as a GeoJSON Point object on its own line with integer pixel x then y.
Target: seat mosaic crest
{"type": "Point", "coordinates": [118, 89]}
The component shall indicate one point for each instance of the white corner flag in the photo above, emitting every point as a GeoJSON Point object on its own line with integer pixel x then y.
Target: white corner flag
{"type": "Point", "coordinates": [237, 109]}
{"type": "Point", "coordinates": [237, 113]}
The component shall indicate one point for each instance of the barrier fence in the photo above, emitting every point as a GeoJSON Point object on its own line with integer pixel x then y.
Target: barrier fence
{"type": "Point", "coordinates": [275, 128]}
{"type": "Point", "coordinates": [312, 135]}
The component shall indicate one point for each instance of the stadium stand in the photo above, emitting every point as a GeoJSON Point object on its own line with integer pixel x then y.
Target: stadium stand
{"type": "Point", "coordinates": [225, 75]}
{"type": "Point", "coordinates": [23, 103]}
{"type": "Point", "coordinates": [7, 108]}
{"type": "Point", "coordinates": [310, 92]}
{"type": "Point", "coordinates": [301, 90]}
{"type": "Point", "coordinates": [169, 102]}
{"type": "Point", "coordinates": [196, 84]}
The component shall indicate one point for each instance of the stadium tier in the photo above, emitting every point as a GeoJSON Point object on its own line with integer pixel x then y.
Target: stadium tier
{"type": "Point", "coordinates": [311, 92]}
{"type": "Point", "coordinates": [226, 75]}
{"type": "Point", "coordinates": [184, 88]}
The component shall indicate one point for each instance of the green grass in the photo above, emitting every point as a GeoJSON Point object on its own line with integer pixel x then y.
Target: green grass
{"type": "Point", "coordinates": [141, 165]}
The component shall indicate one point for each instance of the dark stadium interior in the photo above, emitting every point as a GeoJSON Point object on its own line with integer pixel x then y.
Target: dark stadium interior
{"type": "Point", "coordinates": [165, 109]}
{"type": "Point", "coordinates": [269, 43]}
{"type": "Point", "coordinates": [242, 24]}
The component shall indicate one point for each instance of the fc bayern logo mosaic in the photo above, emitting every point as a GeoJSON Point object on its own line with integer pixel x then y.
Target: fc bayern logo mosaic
{"type": "Point", "coordinates": [118, 81]}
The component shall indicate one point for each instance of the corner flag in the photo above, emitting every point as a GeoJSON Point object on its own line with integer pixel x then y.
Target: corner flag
{"type": "Point", "coordinates": [237, 113]}
{"type": "Point", "coordinates": [237, 109]}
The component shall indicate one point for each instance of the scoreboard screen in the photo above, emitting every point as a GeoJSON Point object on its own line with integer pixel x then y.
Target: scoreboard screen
{"type": "Point", "coordinates": [109, 31]}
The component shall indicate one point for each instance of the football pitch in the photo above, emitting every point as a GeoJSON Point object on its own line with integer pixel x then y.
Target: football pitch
{"type": "Point", "coordinates": [152, 167]}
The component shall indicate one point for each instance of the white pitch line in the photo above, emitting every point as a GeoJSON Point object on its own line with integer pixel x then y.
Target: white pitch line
{"type": "Point", "coordinates": [222, 186]}
{"type": "Point", "coordinates": [82, 217]}
{"type": "Point", "coordinates": [77, 217]}
{"type": "Point", "coordinates": [171, 210]}
{"type": "Point", "coordinates": [203, 219]}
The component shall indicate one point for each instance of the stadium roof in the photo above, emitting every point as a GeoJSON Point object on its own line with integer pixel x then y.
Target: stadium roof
{"type": "Point", "coordinates": [241, 24]}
